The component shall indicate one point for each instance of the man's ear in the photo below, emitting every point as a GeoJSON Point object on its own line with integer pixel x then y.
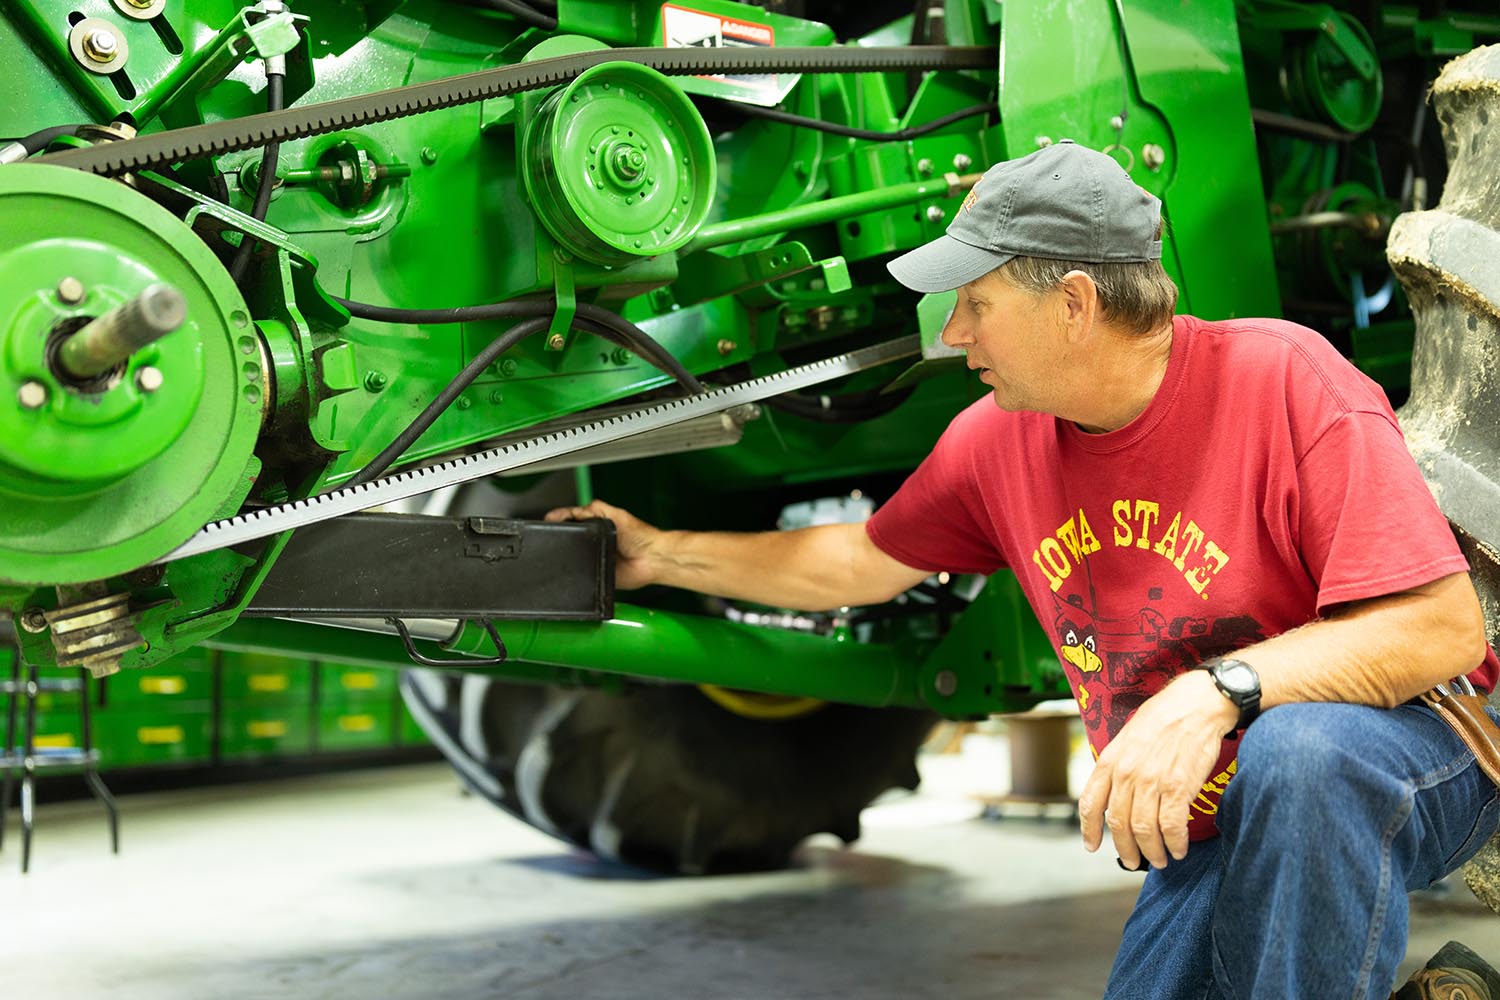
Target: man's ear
{"type": "Point", "coordinates": [1078, 305]}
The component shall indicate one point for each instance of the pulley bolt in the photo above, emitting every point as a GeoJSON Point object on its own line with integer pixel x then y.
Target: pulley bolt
{"type": "Point", "coordinates": [555, 342]}
{"type": "Point", "coordinates": [935, 213]}
{"type": "Point", "coordinates": [34, 620]}
{"type": "Point", "coordinates": [1153, 156]}
{"type": "Point", "coordinates": [924, 166]}
{"type": "Point", "coordinates": [962, 162]}
{"type": "Point", "coordinates": [32, 395]}
{"type": "Point", "coordinates": [727, 346]}
{"type": "Point", "coordinates": [70, 291]}
{"type": "Point", "coordinates": [148, 379]}
{"type": "Point", "coordinates": [122, 331]}
{"type": "Point", "coordinates": [630, 163]}
{"type": "Point", "coordinates": [101, 45]}
{"type": "Point", "coordinates": [140, 4]}
{"type": "Point", "coordinates": [946, 682]}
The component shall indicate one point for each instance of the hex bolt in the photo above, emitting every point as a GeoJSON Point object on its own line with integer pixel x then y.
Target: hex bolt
{"type": "Point", "coordinates": [101, 45]}
{"type": "Point", "coordinates": [508, 367]}
{"type": "Point", "coordinates": [555, 342]}
{"type": "Point", "coordinates": [122, 331]}
{"type": "Point", "coordinates": [148, 379]}
{"type": "Point", "coordinates": [946, 682]}
{"type": "Point", "coordinates": [375, 381]}
{"type": "Point", "coordinates": [924, 166]}
{"type": "Point", "coordinates": [727, 346]}
{"type": "Point", "coordinates": [34, 620]}
{"type": "Point", "coordinates": [464, 402]}
{"type": "Point", "coordinates": [962, 162]}
{"type": "Point", "coordinates": [32, 395]}
{"type": "Point", "coordinates": [1153, 156]}
{"type": "Point", "coordinates": [429, 155]}
{"type": "Point", "coordinates": [935, 213]}
{"type": "Point", "coordinates": [70, 291]}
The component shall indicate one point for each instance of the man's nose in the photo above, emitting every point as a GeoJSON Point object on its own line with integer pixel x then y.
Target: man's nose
{"type": "Point", "coordinates": [954, 333]}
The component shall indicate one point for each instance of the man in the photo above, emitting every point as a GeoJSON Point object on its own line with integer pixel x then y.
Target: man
{"type": "Point", "coordinates": [1167, 491]}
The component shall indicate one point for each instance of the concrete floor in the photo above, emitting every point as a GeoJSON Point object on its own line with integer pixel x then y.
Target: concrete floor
{"type": "Point", "coordinates": [391, 884]}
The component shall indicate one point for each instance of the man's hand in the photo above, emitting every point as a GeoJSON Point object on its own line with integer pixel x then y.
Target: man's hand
{"type": "Point", "coordinates": [1146, 778]}
{"type": "Point", "coordinates": [635, 540]}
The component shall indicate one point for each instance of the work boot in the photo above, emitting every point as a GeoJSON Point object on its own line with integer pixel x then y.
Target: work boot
{"type": "Point", "coordinates": [1454, 973]}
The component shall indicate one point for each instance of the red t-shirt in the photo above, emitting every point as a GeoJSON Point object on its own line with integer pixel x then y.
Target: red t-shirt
{"type": "Point", "coordinates": [1266, 482]}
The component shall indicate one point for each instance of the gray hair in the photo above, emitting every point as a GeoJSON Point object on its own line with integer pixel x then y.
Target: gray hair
{"type": "Point", "coordinates": [1140, 297]}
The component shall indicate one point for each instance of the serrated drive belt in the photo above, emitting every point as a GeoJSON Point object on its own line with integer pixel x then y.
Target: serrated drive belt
{"type": "Point", "coordinates": [300, 513]}
{"type": "Point", "coordinates": [163, 148]}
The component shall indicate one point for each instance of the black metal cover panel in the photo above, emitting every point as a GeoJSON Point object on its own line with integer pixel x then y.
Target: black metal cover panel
{"type": "Point", "coordinates": [407, 565]}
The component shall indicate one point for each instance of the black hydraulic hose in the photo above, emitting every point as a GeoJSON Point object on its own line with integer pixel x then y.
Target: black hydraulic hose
{"type": "Point", "coordinates": [456, 314]}
{"type": "Point", "coordinates": [38, 140]}
{"type": "Point", "coordinates": [614, 327]}
{"type": "Point", "coordinates": [393, 451]}
{"type": "Point", "coordinates": [786, 117]}
{"type": "Point", "coordinates": [275, 98]}
{"type": "Point", "coordinates": [523, 12]}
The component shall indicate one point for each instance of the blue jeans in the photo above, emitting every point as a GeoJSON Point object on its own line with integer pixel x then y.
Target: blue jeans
{"type": "Point", "coordinates": [1336, 812]}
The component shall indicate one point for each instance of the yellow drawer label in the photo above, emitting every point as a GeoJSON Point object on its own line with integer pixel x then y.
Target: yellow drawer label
{"type": "Point", "coordinates": [56, 741]}
{"type": "Point", "coordinates": [163, 685]}
{"type": "Point", "coordinates": [267, 730]}
{"type": "Point", "coordinates": [269, 682]}
{"type": "Point", "coordinates": [356, 723]}
{"type": "Point", "coordinates": [160, 734]}
{"type": "Point", "coordinates": [359, 682]}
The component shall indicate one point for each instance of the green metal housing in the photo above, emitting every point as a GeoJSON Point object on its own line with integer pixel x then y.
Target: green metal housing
{"type": "Point", "coordinates": [743, 244]}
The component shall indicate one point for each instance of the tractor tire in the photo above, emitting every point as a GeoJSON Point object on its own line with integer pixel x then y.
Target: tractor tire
{"type": "Point", "coordinates": [661, 777]}
{"type": "Point", "coordinates": [1448, 259]}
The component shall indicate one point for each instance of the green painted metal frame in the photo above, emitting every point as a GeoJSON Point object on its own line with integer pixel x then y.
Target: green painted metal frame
{"type": "Point", "coordinates": [788, 261]}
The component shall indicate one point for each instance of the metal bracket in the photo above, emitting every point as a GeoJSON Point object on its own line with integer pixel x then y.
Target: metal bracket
{"type": "Point", "coordinates": [467, 661]}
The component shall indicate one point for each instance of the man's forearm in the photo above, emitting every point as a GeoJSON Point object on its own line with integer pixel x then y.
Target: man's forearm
{"type": "Point", "coordinates": [1382, 652]}
{"type": "Point", "coordinates": [809, 569]}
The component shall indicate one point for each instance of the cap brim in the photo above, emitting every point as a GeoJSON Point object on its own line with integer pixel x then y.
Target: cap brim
{"type": "Point", "coordinates": [944, 264]}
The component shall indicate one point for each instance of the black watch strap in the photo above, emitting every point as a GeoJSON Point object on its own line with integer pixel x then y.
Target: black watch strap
{"type": "Point", "coordinates": [1238, 682]}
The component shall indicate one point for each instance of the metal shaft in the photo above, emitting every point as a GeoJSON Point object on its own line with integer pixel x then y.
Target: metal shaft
{"type": "Point", "coordinates": [122, 331]}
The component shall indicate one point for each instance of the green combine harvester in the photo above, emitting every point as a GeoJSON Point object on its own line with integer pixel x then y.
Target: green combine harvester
{"type": "Point", "coordinates": [308, 311]}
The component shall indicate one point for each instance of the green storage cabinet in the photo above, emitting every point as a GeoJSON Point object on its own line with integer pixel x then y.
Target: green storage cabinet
{"type": "Point", "coordinates": [251, 732]}
{"type": "Point", "coordinates": [176, 733]}
{"type": "Point", "coordinates": [185, 678]}
{"type": "Point", "coordinates": [356, 708]}
{"type": "Point", "coordinates": [265, 707]}
{"type": "Point", "coordinates": [408, 733]}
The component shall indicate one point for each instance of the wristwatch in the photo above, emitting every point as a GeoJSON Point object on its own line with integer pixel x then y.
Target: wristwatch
{"type": "Point", "coordinates": [1239, 683]}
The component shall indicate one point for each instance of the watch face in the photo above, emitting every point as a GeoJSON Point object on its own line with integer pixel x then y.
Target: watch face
{"type": "Point", "coordinates": [1238, 677]}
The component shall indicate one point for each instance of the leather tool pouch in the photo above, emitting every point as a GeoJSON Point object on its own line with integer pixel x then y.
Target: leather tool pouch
{"type": "Point", "coordinates": [1465, 714]}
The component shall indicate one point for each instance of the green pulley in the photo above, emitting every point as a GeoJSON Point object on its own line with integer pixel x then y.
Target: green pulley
{"type": "Point", "coordinates": [1334, 76]}
{"type": "Point", "coordinates": [618, 165]}
{"type": "Point", "coordinates": [131, 384]}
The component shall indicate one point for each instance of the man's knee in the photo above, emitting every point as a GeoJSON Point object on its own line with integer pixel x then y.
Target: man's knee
{"type": "Point", "coordinates": [1295, 762]}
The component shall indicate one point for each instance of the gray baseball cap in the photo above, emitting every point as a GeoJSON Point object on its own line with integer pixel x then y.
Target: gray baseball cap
{"type": "Point", "coordinates": [1064, 202]}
